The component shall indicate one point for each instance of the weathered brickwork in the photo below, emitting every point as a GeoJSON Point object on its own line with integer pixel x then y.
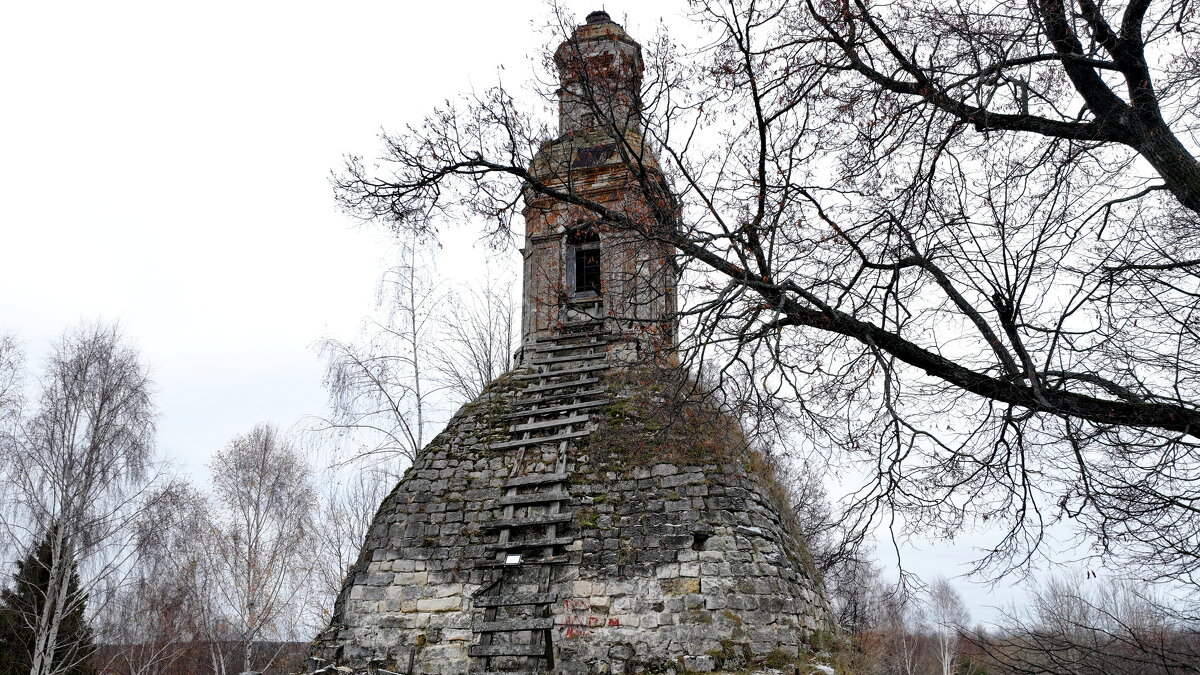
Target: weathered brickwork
{"type": "Point", "coordinates": [605, 161]}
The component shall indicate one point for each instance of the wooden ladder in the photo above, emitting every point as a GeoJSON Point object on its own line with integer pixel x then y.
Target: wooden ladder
{"type": "Point", "coordinates": [554, 409]}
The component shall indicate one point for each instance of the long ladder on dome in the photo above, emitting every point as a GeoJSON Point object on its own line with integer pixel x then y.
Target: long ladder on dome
{"type": "Point", "coordinates": [517, 618]}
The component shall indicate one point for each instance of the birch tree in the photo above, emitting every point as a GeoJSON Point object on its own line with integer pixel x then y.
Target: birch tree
{"type": "Point", "coordinates": [381, 392]}
{"type": "Point", "coordinates": [259, 547]}
{"type": "Point", "coordinates": [948, 617]}
{"type": "Point", "coordinates": [347, 506]}
{"type": "Point", "coordinates": [154, 616]}
{"type": "Point", "coordinates": [10, 413]}
{"type": "Point", "coordinates": [77, 465]}
{"type": "Point", "coordinates": [19, 606]}
{"type": "Point", "coordinates": [10, 380]}
{"type": "Point", "coordinates": [478, 338]}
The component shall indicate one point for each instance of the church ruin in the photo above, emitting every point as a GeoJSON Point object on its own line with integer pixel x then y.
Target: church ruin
{"type": "Point", "coordinates": [585, 514]}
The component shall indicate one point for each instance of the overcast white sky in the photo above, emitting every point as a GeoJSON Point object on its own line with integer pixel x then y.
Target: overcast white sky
{"type": "Point", "coordinates": [165, 165]}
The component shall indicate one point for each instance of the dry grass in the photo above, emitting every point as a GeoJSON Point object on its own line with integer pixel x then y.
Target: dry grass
{"type": "Point", "coordinates": [661, 414]}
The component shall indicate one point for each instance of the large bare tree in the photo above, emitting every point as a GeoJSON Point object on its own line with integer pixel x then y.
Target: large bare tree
{"type": "Point", "coordinates": [956, 242]}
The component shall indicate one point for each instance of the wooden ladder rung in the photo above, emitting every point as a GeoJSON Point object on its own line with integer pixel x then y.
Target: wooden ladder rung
{"type": "Point", "coordinates": [538, 400]}
{"type": "Point", "coordinates": [567, 407]}
{"type": "Point", "coordinates": [548, 424]}
{"type": "Point", "coordinates": [563, 373]}
{"type": "Point", "coordinates": [567, 359]}
{"type": "Point", "coordinates": [550, 348]}
{"type": "Point", "coordinates": [516, 599]}
{"type": "Point", "coordinates": [513, 625]}
{"type": "Point", "coordinates": [551, 386]}
{"type": "Point", "coordinates": [527, 442]}
{"type": "Point", "coordinates": [598, 334]}
{"type": "Point", "coordinates": [531, 543]}
{"type": "Point", "coordinates": [533, 498]}
{"type": "Point", "coordinates": [506, 650]}
{"type": "Point", "coordinates": [549, 560]}
{"type": "Point", "coordinates": [531, 521]}
{"type": "Point", "coordinates": [535, 479]}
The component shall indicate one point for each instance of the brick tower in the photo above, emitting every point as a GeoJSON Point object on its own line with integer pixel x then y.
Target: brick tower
{"type": "Point", "coordinates": [582, 273]}
{"type": "Point", "coordinates": [588, 513]}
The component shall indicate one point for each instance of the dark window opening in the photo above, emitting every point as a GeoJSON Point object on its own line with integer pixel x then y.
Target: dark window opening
{"type": "Point", "coordinates": [583, 262]}
{"type": "Point", "coordinates": [587, 271]}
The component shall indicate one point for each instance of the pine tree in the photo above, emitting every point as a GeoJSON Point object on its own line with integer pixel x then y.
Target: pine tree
{"type": "Point", "coordinates": [19, 608]}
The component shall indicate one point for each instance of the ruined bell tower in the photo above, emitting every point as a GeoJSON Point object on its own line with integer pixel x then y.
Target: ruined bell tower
{"type": "Point", "coordinates": [592, 511]}
{"type": "Point", "coordinates": [583, 272]}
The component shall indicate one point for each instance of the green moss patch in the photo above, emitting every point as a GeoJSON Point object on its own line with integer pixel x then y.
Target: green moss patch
{"type": "Point", "coordinates": [660, 414]}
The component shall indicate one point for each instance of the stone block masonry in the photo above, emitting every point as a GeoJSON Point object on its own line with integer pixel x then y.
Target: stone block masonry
{"type": "Point", "coordinates": [661, 564]}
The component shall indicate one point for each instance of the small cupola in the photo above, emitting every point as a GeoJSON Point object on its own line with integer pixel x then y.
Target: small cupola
{"type": "Point", "coordinates": [600, 76]}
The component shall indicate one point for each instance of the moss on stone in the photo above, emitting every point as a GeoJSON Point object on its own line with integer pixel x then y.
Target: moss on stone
{"type": "Point", "coordinates": [586, 518]}
{"type": "Point", "coordinates": [660, 414]}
